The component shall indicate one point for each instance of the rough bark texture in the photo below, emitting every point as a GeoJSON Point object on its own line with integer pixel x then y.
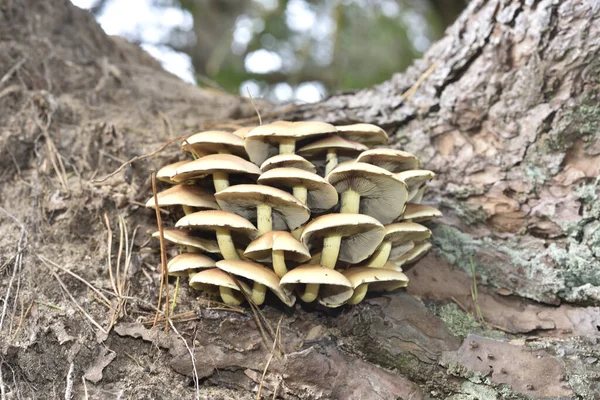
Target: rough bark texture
{"type": "Point", "coordinates": [507, 116]}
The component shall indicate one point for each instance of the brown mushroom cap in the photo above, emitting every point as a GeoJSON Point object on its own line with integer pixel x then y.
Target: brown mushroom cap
{"type": "Point", "coordinates": [339, 292]}
{"type": "Point", "coordinates": [207, 279]}
{"type": "Point", "coordinates": [288, 161]}
{"type": "Point", "coordinates": [287, 211]}
{"type": "Point", "coordinates": [182, 264]}
{"type": "Point", "coordinates": [420, 213]}
{"type": "Point", "coordinates": [211, 142]}
{"type": "Point", "coordinates": [390, 159]}
{"type": "Point", "coordinates": [214, 219]}
{"type": "Point", "coordinates": [257, 273]}
{"type": "Point", "coordinates": [184, 195]}
{"type": "Point", "coordinates": [262, 247]}
{"type": "Point", "coordinates": [415, 179]}
{"type": "Point", "coordinates": [403, 234]}
{"type": "Point", "coordinates": [242, 132]}
{"type": "Point", "coordinates": [340, 145]}
{"type": "Point", "coordinates": [364, 133]}
{"type": "Point", "coordinates": [165, 173]}
{"type": "Point", "coordinates": [263, 141]}
{"type": "Point", "coordinates": [414, 255]}
{"type": "Point", "coordinates": [207, 165]}
{"type": "Point", "coordinates": [321, 195]}
{"type": "Point", "coordinates": [372, 276]}
{"type": "Point", "coordinates": [185, 237]}
{"type": "Point", "coordinates": [382, 195]}
{"type": "Point", "coordinates": [361, 234]}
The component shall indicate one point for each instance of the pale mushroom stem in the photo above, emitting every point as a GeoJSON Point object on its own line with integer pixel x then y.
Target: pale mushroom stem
{"type": "Point", "coordinates": [230, 297]}
{"type": "Point", "coordinates": [259, 292]}
{"type": "Point", "coordinates": [221, 181]}
{"type": "Point", "coordinates": [264, 218]}
{"type": "Point", "coordinates": [381, 255]}
{"type": "Point", "coordinates": [279, 263]}
{"type": "Point", "coordinates": [350, 202]}
{"type": "Point", "coordinates": [188, 210]}
{"type": "Point", "coordinates": [359, 294]}
{"type": "Point", "coordinates": [329, 256]}
{"type": "Point", "coordinates": [226, 245]}
{"type": "Point", "coordinates": [331, 161]}
{"type": "Point", "coordinates": [297, 233]}
{"type": "Point", "coordinates": [287, 146]}
{"type": "Point", "coordinates": [301, 193]}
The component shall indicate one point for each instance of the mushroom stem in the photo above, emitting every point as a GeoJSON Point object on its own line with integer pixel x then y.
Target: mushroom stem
{"type": "Point", "coordinates": [381, 255]}
{"type": "Point", "coordinates": [350, 202]}
{"type": "Point", "coordinates": [301, 193]}
{"type": "Point", "coordinates": [331, 250]}
{"type": "Point", "coordinates": [359, 294]}
{"type": "Point", "coordinates": [297, 233]}
{"type": "Point", "coordinates": [287, 146]}
{"type": "Point", "coordinates": [229, 296]}
{"type": "Point", "coordinates": [226, 245]}
{"type": "Point", "coordinates": [331, 161]}
{"type": "Point", "coordinates": [310, 293]}
{"type": "Point", "coordinates": [259, 292]}
{"type": "Point", "coordinates": [279, 263]}
{"type": "Point", "coordinates": [221, 181]}
{"type": "Point", "coordinates": [264, 219]}
{"type": "Point", "coordinates": [188, 210]}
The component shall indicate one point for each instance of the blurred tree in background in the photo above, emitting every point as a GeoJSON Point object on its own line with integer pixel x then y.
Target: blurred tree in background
{"type": "Point", "coordinates": [286, 50]}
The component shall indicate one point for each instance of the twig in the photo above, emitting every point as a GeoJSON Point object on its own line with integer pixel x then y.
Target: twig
{"type": "Point", "coordinates": [85, 392]}
{"type": "Point", "coordinates": [163, 258]}
{"type": "Point", "coordinates": [195, 371]}
{"type": "Point", "coordinates": [174, 302]}
{"type": "Point", "coordinates": [69, 389]}
{"type": "Point", "coordinates": [408, 95]}
{"type": "Point", "coordinates": [475, 295]}
{"type": "Point", "coordinates": [2, 388]}
{"type": "Point", "coordinates": [109, 251]}
{"type": "Point", "coordinates": [262, 380]}
{"type": "Point", "coordinates": [24, 314]}
{"type": "Point", "coordinates": [11, 71]}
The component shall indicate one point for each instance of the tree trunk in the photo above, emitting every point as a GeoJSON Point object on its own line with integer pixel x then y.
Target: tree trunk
{"type": "Point", "coordinates": [503, 108]}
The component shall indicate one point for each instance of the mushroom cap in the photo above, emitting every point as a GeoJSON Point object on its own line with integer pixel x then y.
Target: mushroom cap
{"type": "Point", "coordinates": [340, 145]}
{"type": "Point", "coordinates": [211, 142]}
{"type": "Point", "coordinates": [321, 195]}
{"type": "Point", "coordinates": [203, 280]}
{"type": "Point", "coordinates": [262, 247]}
{"type": "Point", "coordinates": [414, 255]}
{"type": "Point", "coordinates": [263, 141]}
{"type": "Point", "coordinates": [390, 159]}
{"type": "Point", "coordinates": [185, 195]}
{"type": "Point", "coordinates": [182, 264]}
{"type": "Point", "coordinates": [375, 276]}
{"type": "Point", "coordinates": [368, 134]}
{"type": "Point", "coordinates": [361, 234]}
{"type": "Point", "coordinates": [215, 219]}
{"type": "Point", "coordinates": [415, 179]}
{"type": "Point", "coordinates": [383, 196]}
{"type": "Point", "coordinates": [287, 211]}
{"type": "Point", "coordinates": [242, 132]}
{"type": "Point", "coordinates": [257, 273]}
{"type": "Point", "coordinates": [186, 237]}
{"type": "Point", "coordinates": [400, 232]}
{"type": "Point", "coordinates": [212, 163]}
{"type": "Point", "coordinates": [165, 173]}
{"type": "Point", "coordinates": [420, 213]}
{"type": "Point", "coordinates": [288, 161]}
{"type": "Point", "coordinates": [339, 292]}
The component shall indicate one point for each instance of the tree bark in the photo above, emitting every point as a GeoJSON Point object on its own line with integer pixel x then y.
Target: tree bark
{"type": "Point", "coordinates": [503, 108]}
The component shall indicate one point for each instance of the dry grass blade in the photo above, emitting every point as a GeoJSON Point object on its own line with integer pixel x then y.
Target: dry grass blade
{"type": "Point", "coordinates": [475, 294]}
{"type": "Point", "coordinates": [408, 95]}
{"type": "Point", "coordinates": [275, 342]}
{"type": "Point", "coordinates": [191, 352]}
{"type": "Point", "coordinates": [163, 258]}
{"type": "Point", "coordinates": [254, 105]}
{"type": "Point", "coordinates": [109, 251]}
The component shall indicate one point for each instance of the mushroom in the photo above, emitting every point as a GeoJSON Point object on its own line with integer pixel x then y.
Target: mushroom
{"type": "Point", "coordinates": [312, 190]}
{"type": "Point", "coordinates": [242, 132]}
{"type": "Point", "coordinates": [165, 173]}
{"type": "Point", "coordinates": [376, 279]}
{"type": "Point", "coordinates": [346, 237]}
{"type": "Point", "coordinates": [415, 180]}
{"type": "Point", "coordinates": [186, 196]}
{"type": "Point", "coordinates": [367, 134]}
{"type": "Point", "coordinates": [223, 223]}
{"type": "Point", "coordinates": [220, 166]}
{"type": "Point", "coordinates": [262, 277]}
{"type": "Point", "coordinates": [227, 286]}
{"type": "Point", "coordinates": [277, 247]}
{"type": "Point", "coordinates": [398, 240]}
{"type": "Point", "coordinates": [412, 256]}
{"type": "Point", "coordinates": [280, 137]}
{"type": "Point", "coordinates": [335, 147]}
{"type": "Point", "coordinates": [185, 263]}
{"type": "Point", "coordinates": [369, 190]}
{"type": "Point", "coordinates": [314, 275]}
{"type": "Point", "coordinates": [420, 213]}
{"type": "Point", "coordinates": [270, 207]}
{"type": "Point", "coordinates": [211, 142]}
{"type": "Point", "coordinates": [288, 161]}
{"type": "Point", "coordinates": [188, 238]}
{"type": "Point", "coordinates": [390, 159]}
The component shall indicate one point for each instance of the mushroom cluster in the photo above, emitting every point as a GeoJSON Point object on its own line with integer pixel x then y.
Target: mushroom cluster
{"type": "Point", "coordinates": [302, 209]}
